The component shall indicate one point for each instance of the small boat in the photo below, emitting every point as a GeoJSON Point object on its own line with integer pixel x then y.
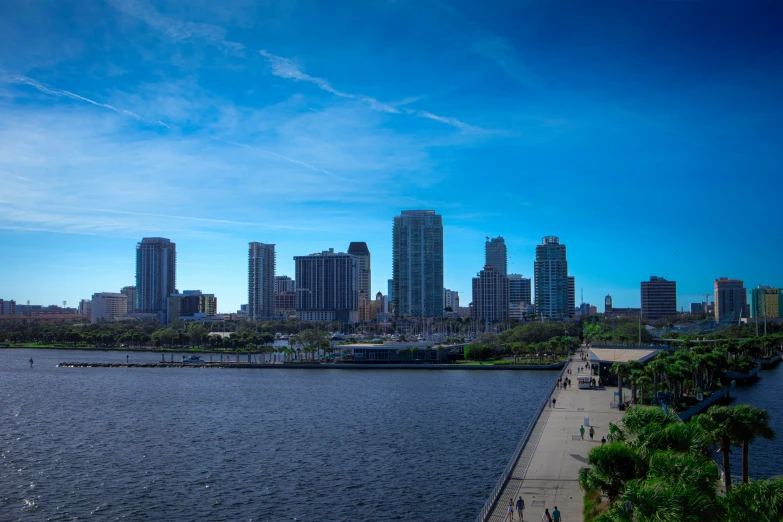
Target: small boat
{"type": "Point", "coordinates": [193, 359]}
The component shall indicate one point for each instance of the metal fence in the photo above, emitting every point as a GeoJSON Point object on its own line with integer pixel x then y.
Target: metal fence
{"type": "Point", "coordinates": [509, 469]}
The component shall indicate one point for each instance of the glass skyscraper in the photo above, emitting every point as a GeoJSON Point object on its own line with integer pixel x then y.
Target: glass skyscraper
{"type": "Point", "coordinates": [551, 279]}
{"type": "Point", "coordinates": [261, 280]}
{"type": "Point", "coordinates": [417, 264]}
{"type": "Point", "coordinates": [156, 274]}
{"type": "Point", "coordinates": [495, 254]}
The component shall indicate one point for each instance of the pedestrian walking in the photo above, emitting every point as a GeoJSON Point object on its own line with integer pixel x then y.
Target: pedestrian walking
{"type": "Point", "coordinates": [582, 432]}
{"type": "Point", "coordinates": [127, 358]}
{"type": "Point", "coordinates": [520, 508]}
{"type": "Point", "coordinates": [603, 441]}
{"type": "Point", "coordinates": [592, 432]}
{"type": "Point", "coordinates": [554, 402]}
{"type": "Point", "coordinates": [546, 516]}
{"type": "Point", "coordinates": [555, 515]}
{"type": "Point", "coordinates": [31, 362]}
{"type": "Point", "coordinates": [511, 509]}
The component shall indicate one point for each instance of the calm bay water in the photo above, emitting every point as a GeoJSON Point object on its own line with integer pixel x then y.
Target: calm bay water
{"type": "Point", "coordinates": [210, 444]}
{"type": "Point", "coordinates": [766, 459]}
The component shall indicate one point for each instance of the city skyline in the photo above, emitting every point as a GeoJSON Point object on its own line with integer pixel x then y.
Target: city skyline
{"type": "Point", "coordinates": [219, 125]}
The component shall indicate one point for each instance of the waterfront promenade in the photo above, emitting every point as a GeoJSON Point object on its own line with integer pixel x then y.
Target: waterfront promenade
{"type": "Point", "coordinates": [546, 474]}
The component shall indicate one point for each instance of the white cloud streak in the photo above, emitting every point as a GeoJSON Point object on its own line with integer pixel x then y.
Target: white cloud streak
{"type": "Point", "coordinates": [285, 68]}
{"type": "Point", "coordinates": [46, 89]}
{"type": "Point", "coordinates": [274, 154]}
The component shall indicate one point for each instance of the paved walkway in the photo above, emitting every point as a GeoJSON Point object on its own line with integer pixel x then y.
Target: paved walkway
{"type": "Point", "coordinates": [546, 474]}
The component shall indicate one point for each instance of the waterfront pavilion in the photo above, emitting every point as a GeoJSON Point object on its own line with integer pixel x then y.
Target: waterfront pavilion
{"type": "Point", "coordinates": [388, 353]}
{"type": "Point", "coordinates": [601, 359]}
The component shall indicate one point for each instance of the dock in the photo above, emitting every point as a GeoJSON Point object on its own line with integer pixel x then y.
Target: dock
{"type": "Point", "coordinates": [315, 366]}
{"type": "Point", "coordinates": [546, 472]}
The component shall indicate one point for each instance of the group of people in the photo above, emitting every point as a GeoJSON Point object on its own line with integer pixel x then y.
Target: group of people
{"type": "Point", "coordinates": [554, 516]}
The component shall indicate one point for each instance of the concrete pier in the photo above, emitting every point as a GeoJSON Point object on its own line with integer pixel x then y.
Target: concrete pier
{"type": "Point", "coordinates": [546, 474]}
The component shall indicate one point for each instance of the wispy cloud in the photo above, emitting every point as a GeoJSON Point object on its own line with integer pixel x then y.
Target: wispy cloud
{"type": "Point", "coordinates": [285, 68]}
{"type": "Point", "coordinates": [274, 154]}
{"type": "Point", "coordinates": [178, 30]}
{"type": "Point", "coordinates": [46, 89]}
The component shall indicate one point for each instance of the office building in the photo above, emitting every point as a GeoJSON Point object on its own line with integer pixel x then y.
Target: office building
{"type": "Point", "coordinates": [7, 307]}
{"type": "Point", "coordinates": [285, 303]}
{"type": "Point", "coordinates": [191, 304]}
{"type": "Point", "coordinates": [731, 299]}
{"type": "Point", "coordinates": [362, 253]}
{"type": "Point", "coordinates": [108, 306]}
{"type": "Point", "coordinates": [495, 254]}
{"type": "Point", "coordinates": [450, 299]}
{"type": "Point", "coordinates": [519, 290]}
{"type": "Point", "coordinates": [327, 287]}
{"type": "Point", "coordinates": [490, 296]}
{"type": "Point", "coordinates": [284, 284]}
{"type": "Point", "coordinates": [85, 307]}
{"type": "Point", "coordinates": [571, 296]}
{"type": "Point", "coordinates": [551, 279]}
{"type": "Point", "coordinates": [766, 302]}
{"type": "Point", "coordinates": [29, 310]}
{"type": "Point", "coordinates": [261, 281]}
{"type": "Point", "coordinates": [156, 275]}
{"type": "Point", "coordinates": [659, 298]}
{"type": "Point", "coordinates": [389, 299]}
{"type": "Point", "coordinates": [697, 308]}
{"type": "Point", "coordinates": [417, 264]}
{"type": "Point", "coordinates": [130, 293]}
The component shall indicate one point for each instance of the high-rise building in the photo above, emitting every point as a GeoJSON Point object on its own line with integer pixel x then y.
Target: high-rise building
{"type": "Point", "coordinates": [108, 306]}
{"type": "Point", "coordinates": [85, 307]}
{"type": "Point", "coordinates": [551, 279]}
{"type": "Point", "coordinates": [362, 253]}
{"type": "Point", "coordinates": [284, 284]}
{"type": "Point", "coordinates": [607, 304]}
{"type": "Point", "coordinates": [490, 296]}
{"type": "Point", "coordinates": [191, 303]}
{"type": "Point", "coordinates": [766, 302]}
{"type": "Point", "coordinates": [327, 287]}
{"type": "Point", "coordinates": [389, 297]}
{"type": "Point", "coordinates": [7, 307]}
{"type": "Point", "coordinates": [261, 281]}
{"type": "Point", "coordinates": [731, 299]}
{"type": "Point", "coordinates": [130, 293]}
{"type": "Point", "coordinates": [417, 264]}
{"type": "Point", "coordinates": [285, 303]}
{"type": "Point", "coordinates": [571, 296]}
{"type": "Point", "coordinates": [519, 290]}
{"type": "Point", "coordinates": [450, 299]}
{"type": "Point", "coordinates": [697, 308]}
{"type": "Point", "coordinates": [156, 275]}
{"type": "Point", "coordinates": [495, 254]}
{"type": "Point", "coordinates": [659, 298]}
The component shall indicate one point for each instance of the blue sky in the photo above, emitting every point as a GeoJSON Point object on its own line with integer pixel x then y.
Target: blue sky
{"type": "Point", "coordinates": [646, 134]}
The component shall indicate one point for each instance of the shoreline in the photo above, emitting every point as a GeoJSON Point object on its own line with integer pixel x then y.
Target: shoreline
{"type": "Point", "coordinates": [317, 366]}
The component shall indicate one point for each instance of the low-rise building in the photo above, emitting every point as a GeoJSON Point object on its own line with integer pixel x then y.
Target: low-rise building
{"type": "Point", "coordinates": [191, 304]}
{"type": "Point", "coordinates": [7, 307]}
{"type": "Point", "coordinates": [108, 306]}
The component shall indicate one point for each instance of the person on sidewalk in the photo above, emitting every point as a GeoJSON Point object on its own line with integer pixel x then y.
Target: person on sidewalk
{"type": "Point", "coordinates": [546, 517]}
{"type": "Point", "coordinates": [554, 402]}
{"type": "Point", "coordinates": [521, 508]}
{"type": "Point", "coordinates": [555, 515]}
{"type": "Point", "coordinates": [582, 432]}
{"type": "Point", "coordinates": [592, 432]}
{"type": "Point", "coordinates": [511, 509]}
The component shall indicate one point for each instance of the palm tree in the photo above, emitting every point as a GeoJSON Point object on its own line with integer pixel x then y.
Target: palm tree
{"type": "Point", "coordinates": [613, 465]}
{"type": "Point", "coordinates": [754, 423]}
{"type": "Point", "coordinates": [758, 501]}
{"type": "Point", "coordinates": [721, 426]}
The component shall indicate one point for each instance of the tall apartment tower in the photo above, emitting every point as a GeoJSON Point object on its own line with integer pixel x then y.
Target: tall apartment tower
{"type": "Point", "coordinates": [551, 279]}
{"type": "Point", "coordinates": [495, 254]}
{"type": "Point", "coordinates": [519, 290]}
{"type": "Point", "coordinates": [327, 287]}
{"type": "Point", "coordinates": [731, 299]}
{"type": "Point", "coordinates": [362, 253]}
{"type": "Point", "coordinates": [130, 293]}
{"type": "Point", "coordinates": [284, 284]}
{"type": "Point", "coordinates": [450, 299]}
{"type": "Point", "coordinates": [571, 296]}
{"type": "Point", "coordinates": [261, 281]}
{"type": "Point", "coordinates": [490, 296]}
{"type": "Point", "coordinates": [659, 298]}
{"type": "Point", "coordinates": [417, 264]}
{"type": "Point", "coordinates": [156, 275]}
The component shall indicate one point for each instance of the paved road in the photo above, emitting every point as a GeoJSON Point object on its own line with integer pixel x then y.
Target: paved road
{"type": "Point", "coordinates": [547, 471]}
